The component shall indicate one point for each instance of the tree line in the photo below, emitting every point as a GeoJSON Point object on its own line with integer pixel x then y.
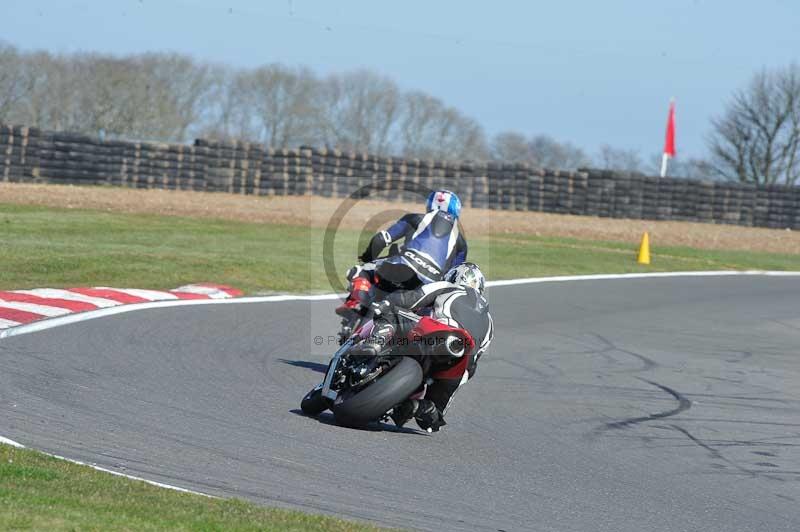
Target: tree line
{"type": "Point", "coordinates": [173, 97]}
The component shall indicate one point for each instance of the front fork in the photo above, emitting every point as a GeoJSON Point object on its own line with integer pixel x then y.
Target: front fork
{"type": "Point", "coordinates": [332, 369]}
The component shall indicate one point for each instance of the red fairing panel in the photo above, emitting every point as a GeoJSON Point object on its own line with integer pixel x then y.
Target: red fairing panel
{"type": "Point", "coordinates": [455, 372]}
{"type": "Point", "coordinates": [428, 326]}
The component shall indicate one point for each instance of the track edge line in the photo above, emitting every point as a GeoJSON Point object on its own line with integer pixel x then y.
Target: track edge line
{"type": "Point", "coordinates": [17, 445]}
{"type": "Point", "coordinates": [78, 317]}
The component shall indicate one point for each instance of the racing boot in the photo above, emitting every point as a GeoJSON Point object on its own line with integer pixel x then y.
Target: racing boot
{"type": "Point", "coordinates": [349, 308]}
{"type": "Point", "coordinates": [424, 411]}
{"type": "Point", "coordinates": [402, 413]}
{"type": "Point", "coordinates": [359, 294]}
{"type": "Point", "coordinates": [428, 416]}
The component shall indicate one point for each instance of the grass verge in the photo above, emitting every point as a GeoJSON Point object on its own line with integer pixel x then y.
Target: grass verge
{"type": "Point", "coordinates": [38, 492]}
{"type": "Point", "coordinates": [52, 247]}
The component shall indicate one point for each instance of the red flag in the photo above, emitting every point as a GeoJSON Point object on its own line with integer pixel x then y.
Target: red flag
{"type": "Point", "coordinates": [669, 142]}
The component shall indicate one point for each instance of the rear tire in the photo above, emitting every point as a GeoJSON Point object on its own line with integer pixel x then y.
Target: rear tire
{"type": "Point", "coordinates": [377, 398]}
{"type": "Point", "coordinates": [313, 404]}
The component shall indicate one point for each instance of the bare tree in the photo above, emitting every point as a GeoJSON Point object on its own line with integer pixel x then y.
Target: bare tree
{"type": "Point", "coordinates": [98, 96]}
{"type": "Point", "coordinates": [540, 150]}
{"type": "Point", "coordinates": [226, 117]}
{"type": "Point", "coordinates": [280, 104]}
{"type": "Point", "coordinates": [458, 137]}
{"type": "Point", "coordinates": [757, 139]}
{"type": "Point", "coordinates": [52, 98]}
{"type": "Point", "coordinates": [359, 110]}
{"type": "Point", "coordinates": [510, 146]}
{"type": "Point", "coordinates": [151, 96]}
{"type": "Point", "coordinates": [471, 140]}
{"type": "Point", "coordinates": [417, 125]}
{"type": "Point", "coordinates": [611, 158]}
{"type": "Point", "coordinates": [431, 130]}
{"type": "Point", "coordinates": [184, 88]}
{"type": "Point", "coordinates": [171, 97]}
{"type": "Point", "coordinates": [547, 152]}
{"type": "Point", "coordinates": [13, 81]}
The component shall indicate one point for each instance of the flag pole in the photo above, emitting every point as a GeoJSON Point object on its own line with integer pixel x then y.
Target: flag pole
{"type": "Point", "coordinates": [669, 141]}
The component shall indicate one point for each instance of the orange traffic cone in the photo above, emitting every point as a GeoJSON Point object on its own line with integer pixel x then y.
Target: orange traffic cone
{"type": "Point", "coordinates": [644, 250]}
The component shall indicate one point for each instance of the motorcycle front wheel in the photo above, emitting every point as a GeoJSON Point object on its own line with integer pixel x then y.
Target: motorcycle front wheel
{"type": "Point", "coordinates": [371, 403]}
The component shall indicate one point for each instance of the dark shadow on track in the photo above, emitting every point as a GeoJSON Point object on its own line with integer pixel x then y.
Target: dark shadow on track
{"type": "Point", "coordinates": [326, 418]}
{"type": "Point", "coordinates": [314, 366]}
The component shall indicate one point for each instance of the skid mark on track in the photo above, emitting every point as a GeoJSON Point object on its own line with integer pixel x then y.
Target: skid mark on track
{"type": "Point", "coordinates": [787, 325]}
{"type": "Point", "coordinates": [609, 346]}
{"type": "Point", "coordinates": [717, 455]}
{"type": "Point", "coordinates": [724, 379]}
{"type": "Point", "coordinates": [739, 421]}
{"type": "Point", "coordinates": [683, 405]}
{"type": "Point", "coordinates": [523, 367]}
{"type": "Point", "coordinates": [743, 355]}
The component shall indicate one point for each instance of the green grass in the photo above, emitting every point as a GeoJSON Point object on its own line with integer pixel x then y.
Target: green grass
{"type": "Point", "coordinates": [38, 492]}
{"type": "Point", "coordinates": [569, 256]}
{"type": "Point", "coordinates": [61, 248]}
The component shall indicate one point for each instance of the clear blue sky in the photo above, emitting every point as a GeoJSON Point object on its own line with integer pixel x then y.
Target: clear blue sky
{"type": "Point", "coordinates": [587, 72]}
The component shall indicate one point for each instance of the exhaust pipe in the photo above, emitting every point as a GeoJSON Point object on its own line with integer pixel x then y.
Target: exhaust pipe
{"type": "Point", "coordinates": [450, 345]}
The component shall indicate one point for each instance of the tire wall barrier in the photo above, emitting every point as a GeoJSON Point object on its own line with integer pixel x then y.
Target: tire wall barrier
{"type": "Point", "coordinates": [34, 156]}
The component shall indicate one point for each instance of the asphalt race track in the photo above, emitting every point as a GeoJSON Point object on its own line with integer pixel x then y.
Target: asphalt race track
{"type": "Point", "coordinates": [611, 405]}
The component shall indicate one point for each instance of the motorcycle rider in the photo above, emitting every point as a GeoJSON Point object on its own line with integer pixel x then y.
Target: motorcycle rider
{"type": "Point", "coordinates": [433, 244]}
{"type": "Point", "coordinates": [456, 301]}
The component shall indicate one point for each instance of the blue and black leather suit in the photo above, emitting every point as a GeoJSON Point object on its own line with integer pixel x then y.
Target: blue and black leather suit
{"type": "Point", "coordinates": [433, 244]}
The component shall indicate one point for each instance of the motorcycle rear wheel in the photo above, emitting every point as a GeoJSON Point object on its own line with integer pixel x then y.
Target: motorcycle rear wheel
{"type": "Point", "coordinates": [371, 403]}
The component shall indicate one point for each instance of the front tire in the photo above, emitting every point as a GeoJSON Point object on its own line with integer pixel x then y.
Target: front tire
{"type": "Point", "coordinates": [377, 398]}
{"type": "Point", "coordinates": [313, 404]}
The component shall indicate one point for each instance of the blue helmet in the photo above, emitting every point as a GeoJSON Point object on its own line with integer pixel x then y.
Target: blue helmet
{"type": "Point", "coordinates": [444, 200]}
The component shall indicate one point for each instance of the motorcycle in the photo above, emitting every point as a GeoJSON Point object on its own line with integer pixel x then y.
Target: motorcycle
{"type": "Point", "coordinates": [361, 389]}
